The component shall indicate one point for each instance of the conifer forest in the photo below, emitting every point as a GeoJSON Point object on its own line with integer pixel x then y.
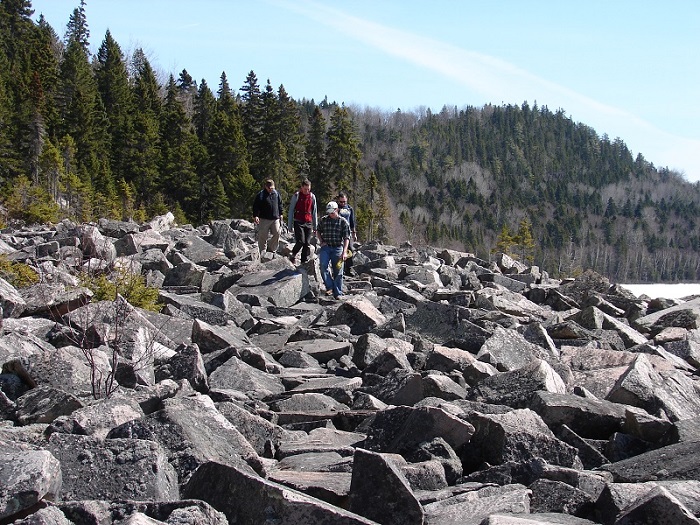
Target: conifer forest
{"type": "Point", "coordinates": [87, 135]}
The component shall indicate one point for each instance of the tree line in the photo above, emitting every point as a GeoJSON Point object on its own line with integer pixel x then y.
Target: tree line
{"type": "Point", "coordinates": [86, 136]}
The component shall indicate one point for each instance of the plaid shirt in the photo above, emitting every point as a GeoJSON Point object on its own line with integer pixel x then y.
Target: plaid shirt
{"type": "Point", "coordinates": [334, 231]}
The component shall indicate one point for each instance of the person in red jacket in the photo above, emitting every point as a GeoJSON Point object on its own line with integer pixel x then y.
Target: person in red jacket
{"type": "Point", "coordinates": [302, 218]}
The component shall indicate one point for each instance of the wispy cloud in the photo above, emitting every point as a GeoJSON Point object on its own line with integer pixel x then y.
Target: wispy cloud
{"type": "Point", "coordinates": [500, 81]}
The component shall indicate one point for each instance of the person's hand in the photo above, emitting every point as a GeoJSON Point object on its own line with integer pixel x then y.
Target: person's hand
{"type": "Point", "coordinates": [256, 220]}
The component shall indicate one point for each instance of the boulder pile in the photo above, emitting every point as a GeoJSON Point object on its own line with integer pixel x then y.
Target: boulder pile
{"type": "Point", "coordinates": [441, 389]}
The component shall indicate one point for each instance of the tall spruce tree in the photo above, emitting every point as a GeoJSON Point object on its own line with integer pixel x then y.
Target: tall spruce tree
{"type": "Point", "coordinates": [77, 29]}
{"type": "Point", "coordinates": [178, 181]}
{"type": "Point", "coordinates": [292, 139]}
{"type": "Point", "coordinates": [316, 153]}
{"type": "Point", "coordinates": [343, 152]}
{"type": "Point", "coordinates": [228, 155]}
{"type": "Point", "coordinates": [17, 113]}
{"type": "Point", "coordinates": [204, 111]}
{"type": "Point", "coordinates": [83, 118]}
{"type": "Point", "coordinates": [115, 91]}
{"type": "Point", "coordinates": [145, 161]}
{"type": "Point", "coordinates": [252, 114]}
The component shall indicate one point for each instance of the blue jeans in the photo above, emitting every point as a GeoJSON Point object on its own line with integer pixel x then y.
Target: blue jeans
{"type": "Point", "coordinates": [332, 277]}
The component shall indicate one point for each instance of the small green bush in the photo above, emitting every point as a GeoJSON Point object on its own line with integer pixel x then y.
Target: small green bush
{"type": "Point", "coordinates": [18, 274]}
{"type": "Point", "coordinates": [130, 286]}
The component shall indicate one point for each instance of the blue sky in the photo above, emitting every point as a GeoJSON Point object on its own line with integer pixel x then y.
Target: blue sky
{"type": "Point", "coordinates": [630, 69]}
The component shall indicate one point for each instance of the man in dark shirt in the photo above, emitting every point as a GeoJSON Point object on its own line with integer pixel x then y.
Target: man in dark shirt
{"type": "Point", "coordinates": [267, 214]}
{"type": "Point", "coordinates": [334, 234]}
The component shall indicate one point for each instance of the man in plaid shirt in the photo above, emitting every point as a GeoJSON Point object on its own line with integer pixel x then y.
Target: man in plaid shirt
{"type": "Point", "coordinates": [334, 234]}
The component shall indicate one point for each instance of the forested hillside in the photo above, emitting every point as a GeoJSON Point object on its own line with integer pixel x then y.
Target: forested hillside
{"type": "Point", "coordinates": [84, 136]}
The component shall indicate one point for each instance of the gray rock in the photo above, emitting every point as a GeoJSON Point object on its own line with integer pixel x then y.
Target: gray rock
{"type": "Point", "coordinates": [516, 388]}
{"type": "Point", "coordinates": [403, 429]}
{"type": "Point", "coordinates": [591, 418]}
{"type": "Point", "coordinates": [97, 419]}
{"type": "Point", "coordinates": [508, 350]}
{"type": "Point", "coordinates": [380, 492]}
{"type": "Point", "coordinates": [678, 461]}
{"type": "Point", "coordinates": [359, 314]}
{"type": "Point", "coordinates": [113, 468]}
{"type": "Point", "coordinates": [519, 435]}
{"type": "Point", "coordinates": [674, 396]}
{"type": "Point", "coordinates": [473, 507]}
{"type": "Point", "coordinates": [188, 364]}
{"type": "Point", "coordinates": [192, 432]}
{"type": "Point", "coordinates": [658, 506]}
{"type": "Point", "coordinates": [27, 477]}
{"type": "Point", "coordinates": [44, 404]}
{"type": "Point", "coordinates": [247, 498]}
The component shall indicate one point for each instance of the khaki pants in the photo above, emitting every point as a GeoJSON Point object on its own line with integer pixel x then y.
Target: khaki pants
{"type": "Point", "coordinates": [265, 228]}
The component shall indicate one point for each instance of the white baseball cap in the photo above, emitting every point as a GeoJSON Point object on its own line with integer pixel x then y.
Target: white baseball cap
{"type": "Point", "coordinates": [331, 207]}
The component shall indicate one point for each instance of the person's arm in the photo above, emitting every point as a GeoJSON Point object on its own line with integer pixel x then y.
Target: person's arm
{"type": "Point", "coordinates": [314, 213]}
{"type": "Point", "coordinates": [290, 214]}
{"type": "Point", "coordinates": [346, 239]}
{"type": "Point", "coordinates": [353, 228]}
{"type": "Point", "coordinates": [319, 232]}
{"type": "Point", "coordinates": [281, 209]}
{"type": "Point", "coordinates": [256, 208]}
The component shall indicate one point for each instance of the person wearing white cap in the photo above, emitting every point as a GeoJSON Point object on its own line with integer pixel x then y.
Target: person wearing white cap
{"type": "Point", "coordinates": [334, 234]}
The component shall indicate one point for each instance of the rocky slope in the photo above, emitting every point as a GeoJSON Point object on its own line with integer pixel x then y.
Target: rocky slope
{"type": "Point", "coordinates": [443, 389]}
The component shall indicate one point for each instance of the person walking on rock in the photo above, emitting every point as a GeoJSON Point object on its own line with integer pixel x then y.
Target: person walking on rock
{"type": "Point", "coordinates": [348, 213]}
{"type": "Point", "coordinates": [303, 220]}
{"type": "Point", "coordinates": [334, 234]}
{"type": "Point", "coordinates": [267, 215]}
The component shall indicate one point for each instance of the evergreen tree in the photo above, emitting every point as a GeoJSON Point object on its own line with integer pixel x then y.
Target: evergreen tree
{"type": "Point", "coordinates": [343, 152]}
{"type": "Point", "coordinates": [17, 138]}
{"type": "Point", "coordinates": [525, 241]}
{"type": "Point", "coordinates": [115, 91]}
{"type": "Point", "coordinates": [228, 156]}
{"type": "Point", "coordinates": [253, 121]}
{"type": "Point", "coordinates": [178, 144]}
{"type": "Point", "coordinates": [77, 29]}
{"type": "Point", "coordinates": [204, 111]}
{"type": "Point", "coordinates": [145, 161]}
{"type": "Point", "coordinates": [293, 142]}
{"type": "Point", "coordinates": [316, 153]}
{"type": "Point", "coordinates": [187, 92]}
{"type": "Point", "coordinates": [505, 241]}
{"type": "Point", "coordinates": [83, 118]}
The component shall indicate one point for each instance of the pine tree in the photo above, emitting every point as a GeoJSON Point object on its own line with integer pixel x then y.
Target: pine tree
{"type": "Point", "coordinates": [343, 152]}
{"type": "Point", "coordinates": [115, 91]}
{"type": "Point", "coordinates": [228, 155]}
{"type": "Point", "coordinates": [145, 161]}
{"type": "Point", "coordinates": [17, 112]}
{"type": "Point", "coordinates": [187, 92]}
{"type": "Point", "coordinates": [204, 111]}
{"type": "Point", "coordinates": [293, 142]}
{"type": "Point", "coordinates": [505, 241]}
{"type": "Point", "coordinates": [525, 241]}
{"type": "Point", "coordinates": [178, 143]}
{"type": "Point", "coordinates": [77, 29]}
{"type": "Point", "coordinates": [316, 153]}
{"type": "Point", "coordinates": [253, 115]}
{"type": "Point", "coordinates": [83, 118]}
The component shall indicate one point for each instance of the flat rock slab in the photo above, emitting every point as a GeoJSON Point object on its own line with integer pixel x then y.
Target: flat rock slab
{"type": "Point", "coordinates": [113, 469]}
{"type": "Point", "coordinates": [679, 461]}
{"type": "Point", "coordinates": [247, 498]}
